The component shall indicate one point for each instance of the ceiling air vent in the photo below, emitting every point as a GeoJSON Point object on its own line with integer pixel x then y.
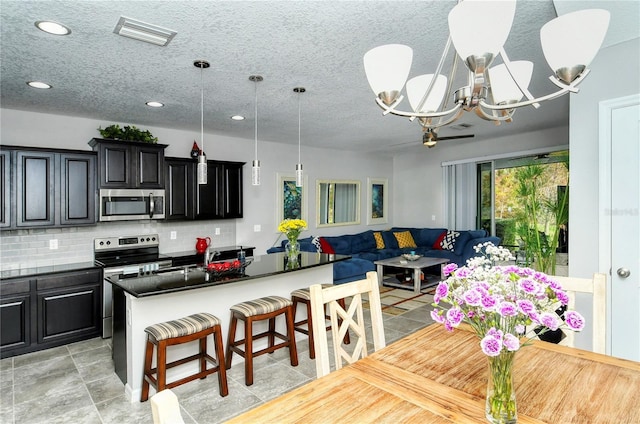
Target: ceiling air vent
{"type": "Point", "coordinates": [461, 126]}
{"type": "Point", "coordinates": [143, 31]}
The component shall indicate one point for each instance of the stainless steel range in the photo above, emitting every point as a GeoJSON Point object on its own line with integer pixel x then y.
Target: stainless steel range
{"type": "Point", "coordinates": [132, 255]}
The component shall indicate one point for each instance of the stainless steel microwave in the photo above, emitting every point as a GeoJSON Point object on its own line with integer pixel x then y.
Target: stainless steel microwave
{"type": "Point", "coordinates": [131, 204]}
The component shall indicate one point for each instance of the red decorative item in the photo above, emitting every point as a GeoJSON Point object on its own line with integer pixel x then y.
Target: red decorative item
{"type": "Point", "coordinates": [195, 150]}
{"type": "Point", "coordinates": [202, 244]}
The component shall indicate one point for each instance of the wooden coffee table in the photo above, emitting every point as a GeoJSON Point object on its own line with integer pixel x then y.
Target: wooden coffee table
{"type": "Point", "coordinates": [417, 266]}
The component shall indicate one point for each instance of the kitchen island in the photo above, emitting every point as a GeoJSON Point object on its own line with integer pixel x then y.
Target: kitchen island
{"type": "Point", "coordinates": [156, 297]}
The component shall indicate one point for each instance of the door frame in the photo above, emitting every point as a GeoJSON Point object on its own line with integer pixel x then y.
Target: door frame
{"type": "Point", "coordinates": [605, 109]}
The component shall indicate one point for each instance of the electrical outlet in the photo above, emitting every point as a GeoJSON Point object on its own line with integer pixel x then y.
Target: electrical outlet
{"type": "Point", "coordinates": [173, 235]}
{"type": "Point", "coordinates": [257, 228]}
{"type": "Point", "coordinates": [217, 231]}
{"type": "Point", "coordinates": [433, 217]}
{"type": "Point", "coordinates": [53, 244]}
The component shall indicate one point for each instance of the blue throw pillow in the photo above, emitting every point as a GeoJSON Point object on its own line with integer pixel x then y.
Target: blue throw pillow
{"type": "Point", "coordinates": [461, 242]}
{"type": "Point", "coordinates": [363, 242]}
{"type": "Point", "coordinates": [390, 241]}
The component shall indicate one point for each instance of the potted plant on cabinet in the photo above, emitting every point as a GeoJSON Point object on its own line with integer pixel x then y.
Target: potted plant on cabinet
{"type": "Point", "coordinates": [128, 132]}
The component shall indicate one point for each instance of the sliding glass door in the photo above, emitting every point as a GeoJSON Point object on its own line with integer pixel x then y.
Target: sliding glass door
{"type": "Point", "coordinates": [524, 200]}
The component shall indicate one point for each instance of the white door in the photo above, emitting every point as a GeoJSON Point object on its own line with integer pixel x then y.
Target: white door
{"type": "Point", "coordinates": [624, 217]}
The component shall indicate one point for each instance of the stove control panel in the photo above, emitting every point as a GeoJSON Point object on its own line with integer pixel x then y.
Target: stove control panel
{"type": "Point", "coordinates": [129, 242]}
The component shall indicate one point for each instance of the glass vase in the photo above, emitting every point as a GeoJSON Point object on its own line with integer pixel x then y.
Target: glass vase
{"type": "Point", "coordinates": [500, 406]}
{"type": "Point", "coordinates": [292, 248]}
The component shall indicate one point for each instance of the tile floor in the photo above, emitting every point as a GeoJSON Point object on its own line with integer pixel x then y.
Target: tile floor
{"type": "Point", "coordinates": [76, 383]}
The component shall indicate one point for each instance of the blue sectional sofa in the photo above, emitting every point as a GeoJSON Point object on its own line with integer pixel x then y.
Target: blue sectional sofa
{"type": "Point", "coordinates": [369, 246]}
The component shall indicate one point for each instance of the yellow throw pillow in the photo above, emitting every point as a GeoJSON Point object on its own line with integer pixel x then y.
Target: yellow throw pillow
{"type": "Point", "coordinates": [405, 239]}
{"type": "Point", "coordinates": [379, 240]}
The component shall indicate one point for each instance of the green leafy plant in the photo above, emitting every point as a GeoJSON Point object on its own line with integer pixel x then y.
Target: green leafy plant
{"type": "Point", "coordinates": [128, 132]}
{"type": "Point", "coordinates": [541, 218]}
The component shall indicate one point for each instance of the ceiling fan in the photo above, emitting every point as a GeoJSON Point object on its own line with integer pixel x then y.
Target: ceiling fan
{"type": "Point", "coordinates": [430, 138]}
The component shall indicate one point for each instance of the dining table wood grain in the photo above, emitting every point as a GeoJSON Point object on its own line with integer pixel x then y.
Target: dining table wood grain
{"type": "Point", "coordinates": [436, 376]}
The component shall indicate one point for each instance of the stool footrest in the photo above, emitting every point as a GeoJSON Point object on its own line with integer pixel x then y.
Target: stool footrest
{"type": "Point", "coordinates": [234, 346]}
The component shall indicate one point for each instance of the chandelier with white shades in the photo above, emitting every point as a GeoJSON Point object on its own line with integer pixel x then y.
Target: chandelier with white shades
{"type": "Point", "coordinates": [569, 43]}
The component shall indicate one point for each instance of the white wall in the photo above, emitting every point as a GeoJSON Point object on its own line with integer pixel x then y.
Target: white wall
{"type": "Point", "coordinates": [417, 174]}
{"type": "Point", "coordinates": [615, 72]}
{"type": "Point", "coordinates": [56, 131]}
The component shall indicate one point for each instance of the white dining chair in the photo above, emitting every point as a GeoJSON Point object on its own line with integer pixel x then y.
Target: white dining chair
{"type": "Point", "coordinates": [350, 318]}
{"type": "Point", "coordinates": [166, 408]}
{"type": "Point", "coordinates": [597, 287]}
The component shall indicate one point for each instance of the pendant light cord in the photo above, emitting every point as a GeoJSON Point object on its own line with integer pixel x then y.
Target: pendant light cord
{"type": "Point", "coordinates": [255, 83]}
{"type": "Point", "coordinates": [299, 127]}
{"type": "Point", "coordinates": [202, 108]}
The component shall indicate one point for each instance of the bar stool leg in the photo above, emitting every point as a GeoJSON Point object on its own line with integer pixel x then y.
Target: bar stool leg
{"type": "Point", "coordinates": [293, 353]}
{"type": "Point", "coordinates": [231, 338]}
{"type": "Point", "coordinates": [312, 346]}
{"type": "Point", "coordinates": [222, 372]}
{"type": "Point", "coordinates": [203, 356]}
{"type": "Point", "coordinates": [161, 365]}
{"type": "Point", "coordinates": [248, 351]}
{"type": "Point", "coordinates": [148, 357]}
{"type": "Point", "coordinates": [272, 330]}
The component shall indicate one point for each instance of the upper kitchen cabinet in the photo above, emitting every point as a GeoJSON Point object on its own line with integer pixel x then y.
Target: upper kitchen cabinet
{"type": "Point", "coordinates": [35, 189]}
{"type": "Point", "coordinates": [5, 189]}
{"type": "Point", "coordinates": [219, 198]}
{"type": "Point", "coordinates": [179, 180]}
{"type": "Point", "coordinates": [77, 188]}
{"type": "Point", "coordinates": [232, 186]}
{"type": "Point", "coordinates": [46, 187]}
{"type": "Point", "coordinates": [129, 164]}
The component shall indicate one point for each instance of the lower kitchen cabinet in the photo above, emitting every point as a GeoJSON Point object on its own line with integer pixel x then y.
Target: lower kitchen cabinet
{"type": "Point", "coordinates": [45, 311]}
{"type": "Point", "coordinates": [15, 315]}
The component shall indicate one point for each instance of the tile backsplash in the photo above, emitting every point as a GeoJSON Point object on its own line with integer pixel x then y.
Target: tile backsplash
{"type": "Point", "coordinates": [28, 248]}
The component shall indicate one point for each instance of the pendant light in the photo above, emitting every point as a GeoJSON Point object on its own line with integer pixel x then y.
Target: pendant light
{"type": "Point", "coordinates": [299, 174]}
{"type": "Point", "coordinates": [202, 159]}
{"type": "Point", "coordinates": [255, 166]}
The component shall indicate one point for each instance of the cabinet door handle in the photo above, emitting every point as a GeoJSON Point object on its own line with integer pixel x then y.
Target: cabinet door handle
{"type": "Point", "coordinates": [62, 296]}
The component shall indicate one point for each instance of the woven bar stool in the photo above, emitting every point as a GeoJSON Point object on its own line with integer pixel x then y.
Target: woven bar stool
{"type": "Point", "coordinates": [305, 326]}
{"type": "Point", "coordinates": [183, 330]}
{"type": "Point", "coordinates": [258, 310]}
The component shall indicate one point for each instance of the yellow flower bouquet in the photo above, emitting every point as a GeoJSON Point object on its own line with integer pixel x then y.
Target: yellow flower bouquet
{"type": "Point", "coordinates": [292, 228]}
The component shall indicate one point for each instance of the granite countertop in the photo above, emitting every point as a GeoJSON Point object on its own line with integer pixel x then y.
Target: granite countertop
{"type": "Point", "coordinates": [178, 280]}
{"type": "Point", "coordinates": [213, 249]}
{"type": "Point", "coordinates": [46, 269]}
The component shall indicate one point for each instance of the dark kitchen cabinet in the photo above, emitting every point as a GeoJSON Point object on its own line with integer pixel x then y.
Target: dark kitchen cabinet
{"type": "Point", "coordinates": [179, 191]}
{"type": "Point", "coordinates": [232, 190]}
{"type": "Point", "coordinates": [129, 164]}
{"type": "Point", "coordinates": [5, 189]}
{"type": "Point", "coordinates": [209, 196]}
{"type": "Point", "coordinates": [47, 187]}
{"type": "Point", "coordinates": [46, 311]}
{"type": "Point", "coordinates": [15, 315]}
{"type": "Point", "coordinates": [219, 198]}
{"type": "Point", "coordinates": [77, 189]}
{"type": "Point", "coordinates": [35, 189]}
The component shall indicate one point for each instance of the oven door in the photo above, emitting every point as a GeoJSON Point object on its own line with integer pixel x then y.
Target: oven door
{"type": "Point", "coordinates": [131, 204]}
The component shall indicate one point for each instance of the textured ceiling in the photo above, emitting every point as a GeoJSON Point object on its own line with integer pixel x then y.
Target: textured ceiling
{"type": "Point", "coordinates": [315, 44]}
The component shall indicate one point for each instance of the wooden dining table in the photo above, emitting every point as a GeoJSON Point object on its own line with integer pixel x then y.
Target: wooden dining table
{"type": "Point", "coordinates": [436, 376]}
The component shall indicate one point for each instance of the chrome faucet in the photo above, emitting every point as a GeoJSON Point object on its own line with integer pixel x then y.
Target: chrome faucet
{"type": "Point", "coordinates": [209, 256]}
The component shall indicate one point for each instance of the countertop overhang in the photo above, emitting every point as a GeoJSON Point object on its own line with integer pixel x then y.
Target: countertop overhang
{"type": "Point", "coordinates": [190, 278]}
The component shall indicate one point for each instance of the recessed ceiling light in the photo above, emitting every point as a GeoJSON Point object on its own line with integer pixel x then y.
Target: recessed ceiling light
{"type": "Point", "coordinates": [154, 104]}
{"type": "Point", "coordinates": [38, 84]}
{"type": "Point", "coordinates": [237, 118]}
{"type": "Point", "coordinates": [52, 28]}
